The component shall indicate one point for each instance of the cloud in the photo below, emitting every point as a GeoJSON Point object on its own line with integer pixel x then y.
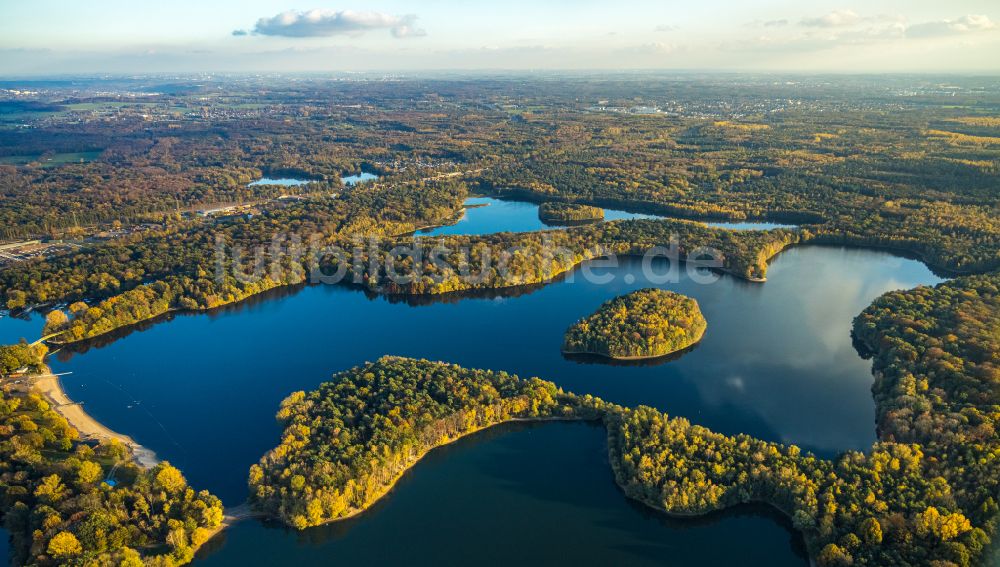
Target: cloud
{"type": "Point", "coordinates": [889, 32]}
{"type": "Point", "coordinates": [652, 48]}
{"type": "Point", "coordinates": [325, 23]}
{"type": "Point", "coordinates": [665, 28]}
{"type": "Point", "coordinates": [834, 19]}
{"type": "Point", "coordinates": [963, 25]}
{"type": "Point", "coordinates": [766, 23]}
{"type": "Point", "coordinates": [239, 33]}
{"type": "Point", "coordinates": [817, 40]}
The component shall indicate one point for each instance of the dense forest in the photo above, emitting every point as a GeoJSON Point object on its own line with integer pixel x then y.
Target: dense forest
{"type": "Point", "coordinates": [60, 510]}
{"type": "Point", "coordinates": [189, 250]}
{"type": "Point", "coordinates": [557, 213]}
{"type": "Point", "coordinates": [647, 323]}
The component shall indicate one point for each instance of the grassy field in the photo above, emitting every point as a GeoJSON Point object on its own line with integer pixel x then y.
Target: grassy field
{"type": "Point", "coordinates": [52, 160]}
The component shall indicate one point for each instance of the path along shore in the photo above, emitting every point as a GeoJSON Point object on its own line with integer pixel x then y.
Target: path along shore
{"type": "Point", "coordinates": [49, 386]}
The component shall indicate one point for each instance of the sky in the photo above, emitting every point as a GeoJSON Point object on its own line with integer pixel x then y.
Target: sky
{"type": "Point", "coordinates": [128, 36]}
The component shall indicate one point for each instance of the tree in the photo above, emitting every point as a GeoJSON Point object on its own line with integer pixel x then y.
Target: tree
{"type": "Point", "coordinates": [170, 479]}
{"type": "Point", "coordinates": [71, 517]}
{"type": "Point", "coordinates": [20, 355]}
{"type": "Point", "coordinates": [63, 545]}
{"type": "Point", "coordinates": [16, 299]}
{"type": "Point", "coordinates": [833, 556]}
{"type": "Point", "coordinates": [803, 521]}
{"type": "Point", "coordinates": [871, 532]}
{"type": "Point", "coordinates": [51, 489]}
{"type": "Point", "coordinates": [88, 472]}
{"type": "Point", "coordinates": [945, 527]}
{"type": "Point", "coordinates": [130, 558]}
{"type": "Point", "coordinates": [55, 321]}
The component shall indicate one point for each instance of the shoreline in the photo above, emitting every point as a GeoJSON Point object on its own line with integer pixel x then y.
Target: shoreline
{"type": "Point", "coordinates": [458, 217]}
{"type": "Point", "coordinates": [616, 472]}
{"type": "Point", "coordinates": [381, 291]}
{"type": "Point", "coordinates": [627, 358]}
{"type": "Point", "coordinates": [232, 516]}
{"type": "Point", "coordinates": [247, 510]}
{"type": "Point", "coordinates": [386, 489]}
{"type": "Point", "coordinates": [49, 386]}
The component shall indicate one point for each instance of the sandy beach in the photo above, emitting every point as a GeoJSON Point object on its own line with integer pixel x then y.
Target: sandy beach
{"type": "Point", "coordinates": [89, 428]}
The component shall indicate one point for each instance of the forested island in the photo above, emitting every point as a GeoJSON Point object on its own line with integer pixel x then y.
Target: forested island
{"type": "Point", "coordinates": [557, 213]}
{"type": "Point", "coordinates": [648, 323]}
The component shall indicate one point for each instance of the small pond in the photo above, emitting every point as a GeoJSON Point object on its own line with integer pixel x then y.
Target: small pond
{"type": "Point", "coordinates": [348, 180]}
{"type": "Point", "coordinates": [283, 182]}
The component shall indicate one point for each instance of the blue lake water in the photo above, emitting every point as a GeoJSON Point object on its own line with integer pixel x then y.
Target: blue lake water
{"type": "Point", "coordinates": [486, 215]}
{"type": "Point", "coordinates": [13, 329]}
{"type": "Point", "coordinates": [292, 182]}
{"type": "Point", "coordinates": [284, 182]}
{"type": "Point", "coordinates": [749, 225]}
{"type": "Point", "coordinates": [363, 176]}
{"type": "Point", "coordinates": [201, 390]}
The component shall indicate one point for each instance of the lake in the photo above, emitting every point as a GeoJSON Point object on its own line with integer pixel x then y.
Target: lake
{"type": "Point", "coordinates": [486, 215]}
{"type": "Point", "coordinates": [292, 182]}
{"type": "Point", "coordinates": [776, 362]}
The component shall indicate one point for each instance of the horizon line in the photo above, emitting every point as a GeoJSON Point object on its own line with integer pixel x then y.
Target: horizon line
{"type": "Point", "coordinates": [502, 71]}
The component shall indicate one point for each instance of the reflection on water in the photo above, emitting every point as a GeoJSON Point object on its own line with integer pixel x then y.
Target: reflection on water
{"type": "Point", "coordinates": [16, 327]}
{"type": "Point", "coordinates": [486, 215]}
{"type": "Point", "coordinates": [589, 358]}
{"type": "Point", "coordinates": [293, 182]}
{"type": "Point", "coordinates": [525, 494]}
{"type": "Point", "coordinates": [778, 362]}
